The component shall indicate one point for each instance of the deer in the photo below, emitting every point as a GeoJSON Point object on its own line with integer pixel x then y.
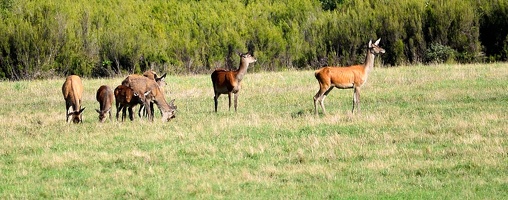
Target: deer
{"type": "Point", "coordinates": [126, 99]}
{"type": "Point", "coordinates": [72, 91]}
{"type": "Point", "coordinates": [150, 93]}
{"type": "Point", "coordinates": [105, 98]}
{"type": "Point", "coordinates": [160, 81]}
{"type": "Point", "coordinates": [351, 77]}
{"type": "Point", "coordinates": [229, 82]}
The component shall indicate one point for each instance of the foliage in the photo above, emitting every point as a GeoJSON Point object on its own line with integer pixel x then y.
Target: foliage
{"type": "Point", "coordinates": [104, 38]}
{"type": "Point", "coordinates": [438, 53]}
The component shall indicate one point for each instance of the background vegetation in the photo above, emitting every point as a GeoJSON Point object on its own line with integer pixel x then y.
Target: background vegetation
{"type": "Point", "coordinates": [45, 38]}
{"type": "Point", "coordinates": [435, 132]}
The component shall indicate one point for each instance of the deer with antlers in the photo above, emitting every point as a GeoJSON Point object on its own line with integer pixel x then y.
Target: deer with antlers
{"type": "Point", "coordinates": [351, 77]}
{"type": "Point", "coordinates": [229, 82]}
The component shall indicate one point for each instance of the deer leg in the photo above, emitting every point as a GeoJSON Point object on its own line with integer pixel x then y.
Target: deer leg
{"type": "Point", "coordinates": [131, 115]}
{"type": "Point", "coordinates": [216, 100]}
{"type": "Point", "coordinates": [151, 108]}
{"type": "Point", "coordinates": [316, 100]}
{"type": "Point", "coordinates": [229, 97]}
{"type": "Point", "coordinates": [67, 111]}
{"type": "Point", "coordinates": [356, 100]}
{"type": "Point", "coordinates": [236, 100]}
{"type": "Point", "coordinates": [148, 111]}
{"type": "Point", "coordinates": [117, 110]}
{"type": "Point", "coordinates": [141, 111]}
{"type": "Point", "coordinates": [124, 112]}
{"type": "Point", "coordinates": [66, 114]}
{"type": "Point", "coordinates": [322, 99]}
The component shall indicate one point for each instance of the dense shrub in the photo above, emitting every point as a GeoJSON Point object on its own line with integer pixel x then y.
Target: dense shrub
{"type": "Point", "coordinates": [438, 53]}
{"type": "Point", "coordinates": [104, 38]}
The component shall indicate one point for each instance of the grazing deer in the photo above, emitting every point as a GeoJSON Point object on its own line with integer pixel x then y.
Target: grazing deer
{"type": "Point", "coordinates": [125, 100]}
{"type": "Point", "coordinates": [352, 77]}
{"type": "Point", "coordinates": [105, 98]}
{"type": "Point", "coordinates": [72, 90]}
{"type": "Point", "coordinates": [160, 81]}
{"type": "Point", "coordinates": [229, 82]}
{"type": "Point", "coordinates": [143, 85]}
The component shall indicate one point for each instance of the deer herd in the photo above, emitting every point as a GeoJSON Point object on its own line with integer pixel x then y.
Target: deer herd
{"type": "Point", "coordinates": [148, 89]}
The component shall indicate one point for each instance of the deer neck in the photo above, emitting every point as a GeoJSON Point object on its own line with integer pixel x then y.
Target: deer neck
{"type": "Point", "coordinates": [369, 61]}
{"type": "Point", "coordinates": [242, 70]}
{"type": "Point", "coordinates": [161, 103]}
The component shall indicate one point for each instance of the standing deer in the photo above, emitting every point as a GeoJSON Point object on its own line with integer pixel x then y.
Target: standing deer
{"type": "Point", "coordinates": [105, 98]}
{"type": "Point", "coordinates": [125, 100]}
{"type": "Point", "coordinates": [229, 82]}
{"type": "Point", "coordinates": [143, 85]}
{"type": "Point", "coordinates": [72, 90]}
{"type": "Point", "coordinates": [351, 77]}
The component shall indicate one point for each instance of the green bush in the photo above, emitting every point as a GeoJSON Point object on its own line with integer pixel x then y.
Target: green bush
{"type": "Point", "coordinates": [46, 38]}
{"type": "Point", "coordinates": [438, 53]}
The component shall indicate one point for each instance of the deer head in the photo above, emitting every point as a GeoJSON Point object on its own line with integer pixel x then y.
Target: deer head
{"type": "Point", "coordinates": [75, 116]}
{"type": "Point", "coordinates": [374, 48]}
{"type": "Point", "coordinates": [170, 114]}
{"type": "Point", "coordinates": [102, 114]}
{"type": "Point", "coordinates": [247, 58]}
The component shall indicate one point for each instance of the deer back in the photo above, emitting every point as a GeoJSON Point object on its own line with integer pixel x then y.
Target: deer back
{"type": "Point", "coordinates": [105, 97]}
{"type": "Point", "coordinates": [124, 95]}
{"type": "Point", "coordinates": [72, 90]}
{"type": "Point", "coordinates": [139, 84]}
{"type": "Point", "coordinates": [224, 81]}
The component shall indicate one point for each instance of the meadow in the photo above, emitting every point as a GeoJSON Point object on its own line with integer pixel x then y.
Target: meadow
{"type": "Point", "coordinates": [424, 132]}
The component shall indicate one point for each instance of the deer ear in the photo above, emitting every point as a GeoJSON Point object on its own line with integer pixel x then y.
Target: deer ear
{"type": "Point", "coordinates": [377, 41]}
{"type": "Point", "coordinates": [172, 102]}
{"type": "Point", "coordinates": [98, 111]}
{"type": "Point", "coordinates": [370, 43]}
{"type": "Point", "coordinates": [163, 77]}
{"type": "Point", "coordinates": [80, 111]}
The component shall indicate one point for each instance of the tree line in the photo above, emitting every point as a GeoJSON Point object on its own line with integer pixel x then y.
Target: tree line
{"type": "Point", "coordinates": [47, 38]}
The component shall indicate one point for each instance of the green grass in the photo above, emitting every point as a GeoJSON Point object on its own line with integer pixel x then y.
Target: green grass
{"type": "Point", "coordinates": [424, 132]}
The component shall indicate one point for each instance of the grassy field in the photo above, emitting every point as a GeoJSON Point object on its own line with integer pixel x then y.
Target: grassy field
{"type": "Point", "coordinates": [424, 132]}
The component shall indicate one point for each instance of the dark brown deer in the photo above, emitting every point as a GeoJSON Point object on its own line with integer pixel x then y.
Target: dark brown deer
{"type": "Point", "coordinates": [143, 85]}
{"type": "Point", "coordinates": [351, 77]}
{"type": "Point", "coordinates": [72, 90]}
{"type": "Point", "coordinates": [229, 82]}
{"type": "Point", "coordinates": [105, 98]}
{"type": "Point", "coordinates": [125, 101]}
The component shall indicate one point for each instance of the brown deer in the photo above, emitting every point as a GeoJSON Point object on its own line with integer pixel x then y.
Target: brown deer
{"type": "Point", "coordinates": [105, 98]}
{"type": "Point", "coordinates": [151, 92]}
{"type": "Point", "coordinates": [160, 81]}
{"type": "Point", "coordinates": [229, 82]}
{"type": "Point", "coordinates": [351, 77]}
{"type": "Point", "coordinates": [125, 100]}
{"type": "Point", "coordinates": [72, 91]}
